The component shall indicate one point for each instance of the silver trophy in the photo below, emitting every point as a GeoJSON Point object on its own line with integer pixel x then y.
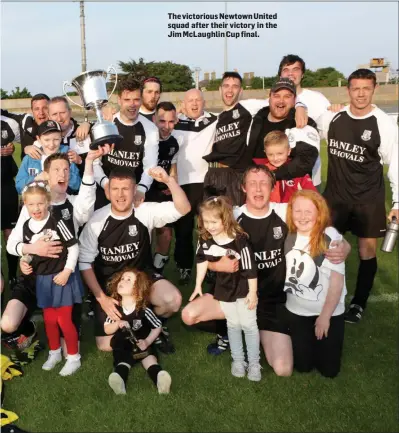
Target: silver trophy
{"type": "Point", "coordinates": [92, 89]}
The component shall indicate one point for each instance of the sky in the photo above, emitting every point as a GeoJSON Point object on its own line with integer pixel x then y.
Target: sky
{"type": "Point", "coordinates": [40, 42]}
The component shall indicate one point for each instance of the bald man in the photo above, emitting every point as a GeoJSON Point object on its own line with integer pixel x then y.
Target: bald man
{"type": "Point", "coordinates": [198, 128]}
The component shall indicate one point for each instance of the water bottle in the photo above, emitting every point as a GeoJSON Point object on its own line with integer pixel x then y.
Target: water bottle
{"type": "Point", "coordinates": [390, 236]}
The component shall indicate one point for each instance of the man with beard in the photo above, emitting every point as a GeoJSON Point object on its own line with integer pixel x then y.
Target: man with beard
{"type": "Point", "coordinates": [138, 150]}
{"type": "Point", "coordinates": [304, 142]}
{"type": "Point", "coordinates": [232, 151]}
{"type": "Point", "coordinates": [265, 224]}
{"type": "Point", "coordinates": [18, 331]}
{"type": "Point", "coordinates": [360, 139]}
{"type": "Point", "coordinates": [198, 129]}
{"type": "Point", "coordinates": [151, 90]}
{"type": "Point", "coordinates": [119, 235]}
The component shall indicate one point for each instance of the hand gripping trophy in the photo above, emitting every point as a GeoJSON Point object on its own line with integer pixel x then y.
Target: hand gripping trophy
{"type": "Point", "coordinates": [92, 89]}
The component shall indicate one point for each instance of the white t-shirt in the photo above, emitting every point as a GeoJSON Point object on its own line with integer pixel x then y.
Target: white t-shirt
{"type": "Point", "coordinates": [308, 279]}
{"type": "Point", "coordinates": [315, 102]}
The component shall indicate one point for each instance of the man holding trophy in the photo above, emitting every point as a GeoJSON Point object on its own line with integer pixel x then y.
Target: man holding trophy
{"type": "Point", "coordinates": [135, 137]}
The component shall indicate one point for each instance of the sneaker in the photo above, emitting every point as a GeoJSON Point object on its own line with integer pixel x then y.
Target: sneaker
{"type": "Point", "coordinates": [71, 366]}
{"type": "Point", "coordinates": [160, 262]}
{"type": "Point", "coordinates": [163, 342]}
{"type": "Point", "coordinates": [219, 346]}
{"type": "Point", "coordinates": [163, 382]}
{"type": "Point", "coordinates": [53, 359]}
{"type": "Point", "coordinates": [117, 384]}
{"type": "Point", "coordinates": [238, 369]}
{"type": "Point", "coordinates": [353, 314]}
{"type": "Point", "coordinates": [185, 276]}
{"type": "Point", "coordinates": [27, 355]}
{"type": "Point", "coordinates": [254, 373]}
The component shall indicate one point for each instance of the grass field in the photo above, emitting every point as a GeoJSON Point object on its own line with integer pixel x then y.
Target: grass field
{"type": "Point", "coordinates": [205, 397]}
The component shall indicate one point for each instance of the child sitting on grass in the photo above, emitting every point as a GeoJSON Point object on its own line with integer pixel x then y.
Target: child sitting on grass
{"type": "Point", "coordinates": [135, 332]}
{"type": "Point", "coordinates": [49, 136]}
{"type": "Point", "coordinates": [277, 150]}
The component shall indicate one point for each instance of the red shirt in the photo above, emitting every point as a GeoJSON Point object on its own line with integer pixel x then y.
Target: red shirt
{"type": "Point", "coordinates": [284, 189]}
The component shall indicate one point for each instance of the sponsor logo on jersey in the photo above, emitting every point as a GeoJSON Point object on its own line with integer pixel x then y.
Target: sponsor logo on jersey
{"type": "Point", "coordinates": [137, 140]}
{"type": "Point", "coordinates": [277, 232]}
{"type": "Point", "coordinates": [366, 135]}
{"type": "Point", "coordinates": [236, 114]}
{"type": "Point", "coordinates": [66, 215]}
{"type": "Point", "coordinates": [133, 230]}
{"type": "Point", "coordinates": [136, 325]}
{"type": "Point", "coordinates": [205, 121]}
{"type": "Point", "coordinates": [4, 134]}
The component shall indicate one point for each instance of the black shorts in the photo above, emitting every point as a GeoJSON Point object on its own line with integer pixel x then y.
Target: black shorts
{"type": "Point", "coordinates": [9, 206]}
{"type": "Point", "coordinates": [100, 315]}
{"type": "Point", "coordinates": [272, 317]}
{"type": "Point", "coordinates": [363, 220]}
{"type": "Point", "coordinates": [25, 291]}
{"type": "Point", "coordinates": [224, 181]}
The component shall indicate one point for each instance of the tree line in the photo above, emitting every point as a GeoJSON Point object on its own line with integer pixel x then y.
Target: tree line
{"type": "Point", "coordinates": [179, 78]}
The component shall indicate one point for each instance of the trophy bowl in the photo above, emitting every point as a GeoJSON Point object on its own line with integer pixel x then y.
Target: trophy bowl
{"type": "Point", "coordinates": [91, 87]}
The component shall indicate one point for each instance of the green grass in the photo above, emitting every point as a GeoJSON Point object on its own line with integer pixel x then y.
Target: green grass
{"type": "Point", "coordinates": [205, 397]}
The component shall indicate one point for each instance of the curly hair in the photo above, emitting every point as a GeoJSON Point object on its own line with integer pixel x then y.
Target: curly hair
{"type": "Point", "coordinates": [222, 207]}
{"type": "Point", "coordinates": [141, 288]}
{"type": "Point", "coordinates": [317, 243]}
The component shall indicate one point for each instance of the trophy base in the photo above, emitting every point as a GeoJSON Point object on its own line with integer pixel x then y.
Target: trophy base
{"type": "Point", "coordinates": [108, 139]}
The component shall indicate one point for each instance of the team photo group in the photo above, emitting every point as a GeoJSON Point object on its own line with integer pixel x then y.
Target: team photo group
{"type": "Point", "coordinates": [233, 200]}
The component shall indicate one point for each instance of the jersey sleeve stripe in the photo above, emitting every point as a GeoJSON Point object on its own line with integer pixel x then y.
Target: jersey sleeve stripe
{"type": "Point", "coordinates": [152, 318]}
{"type": "Point", "coordinates": [64, 230]}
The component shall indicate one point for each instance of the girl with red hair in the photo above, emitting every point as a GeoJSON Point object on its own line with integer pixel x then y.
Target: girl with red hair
{"type": "Point", "coordinates": [315, 287]}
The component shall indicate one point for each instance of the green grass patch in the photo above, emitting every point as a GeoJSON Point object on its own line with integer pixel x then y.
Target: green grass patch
{"type": "Point", "coordinates": [205, 397]}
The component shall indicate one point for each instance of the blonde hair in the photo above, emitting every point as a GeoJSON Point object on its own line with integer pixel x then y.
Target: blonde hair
{"type": "Point", "coordinates": [36, 188]}
{"type": "Point", "coordinates": [222, 207]}
{"type": "Point", "coordinates": [275, 137]}
{"type": "Point", "coordinates": [317, 243]}
{"type": "Point", "coordinates": [141, 288]}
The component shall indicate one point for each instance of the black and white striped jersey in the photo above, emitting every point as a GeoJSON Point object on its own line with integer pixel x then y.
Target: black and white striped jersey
{"type": "Point", "coordinates": [9, 168]}
{"type": "Point", "coordinates": [231, 144]}
{"type": "Point", "coordinates": [267, 235]}
{"type": "Point", "coordinates": [229, 286]}
{"type": "Point", "coordinates": [110, 242]}
{"type": "Point", "coordinates": [357, 149]}
{"type": "Point", "coordinates": [59, 226]}
{"type": "Point", "coordinates": [142, 322]}
{"type": "Point", "coordinates": [138, 151]}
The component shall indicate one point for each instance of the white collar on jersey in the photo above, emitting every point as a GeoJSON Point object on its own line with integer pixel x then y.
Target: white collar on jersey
{"type": "Point", "coordinates": [248, 213]}
{"type": "Point", "coordinates": [350, 114]}
{"type": "Point", "coordinates": [118, 116]}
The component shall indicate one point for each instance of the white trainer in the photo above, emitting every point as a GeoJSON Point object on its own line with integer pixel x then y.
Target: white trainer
{"type": "Point", "coordinates": [71, 366]}
{"type": "Point", "coordinates": [238, 368]}
{"type": "Point", "coordinates": [117, 384]}
{"type": "Point", "coordinates": [254, 372]}
{"type": "Point", "coordinates": [54, 357]}
{"type": "Point", "coordinates": [163, 382]}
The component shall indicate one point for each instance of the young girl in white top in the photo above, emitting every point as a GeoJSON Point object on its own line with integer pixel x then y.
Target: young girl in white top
{"type": "Point", "coordinates": [315, 287]}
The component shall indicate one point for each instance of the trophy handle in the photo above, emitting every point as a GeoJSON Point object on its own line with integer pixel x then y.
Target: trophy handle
{"type": "Point", "coordinates": [109, 69]}
{"type": "Point", "coordinates": [66, 83]}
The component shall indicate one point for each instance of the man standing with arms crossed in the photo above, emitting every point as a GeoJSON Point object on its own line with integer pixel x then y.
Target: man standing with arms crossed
{"type": "Point", "coordinates": [360, 139]}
